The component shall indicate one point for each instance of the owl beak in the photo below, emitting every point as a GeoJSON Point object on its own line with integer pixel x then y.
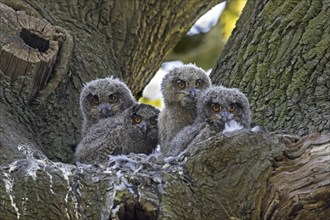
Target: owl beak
{"type": "Point", "coordinates": [144, 126]}
{"type": "Point", "coordinates": [192, 92]}
{"type": "Point", "coordinates": [104, 109]}
{"type": "Point", "coordinates": [225, 115]}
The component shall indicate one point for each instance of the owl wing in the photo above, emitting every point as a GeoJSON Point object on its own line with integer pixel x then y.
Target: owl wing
{"type": "Point", "coordinates": [99, 141]}
{"type": "Point", "coordinates": [101, 128]}
{"type": "Point", "coordinates": [98, 150]}
{"type": "Point", "coordinates": [162, 130]}
{"type": "Point", "coordinates": [185, 137]}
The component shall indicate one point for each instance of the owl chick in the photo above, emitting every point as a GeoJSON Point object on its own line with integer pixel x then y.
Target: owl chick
{"type": "Point", "coordinates": [133, 131]}
{"type": "Point", "coordinates": [103, 98]}
{"type": "Point", "coordinates": [181, 87]}
{"type": "Point", "coordinates": [219, 109]}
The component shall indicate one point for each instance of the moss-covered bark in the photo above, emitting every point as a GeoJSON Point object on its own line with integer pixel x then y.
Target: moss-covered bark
{"type": "Point", "coordinates": [279, 54]}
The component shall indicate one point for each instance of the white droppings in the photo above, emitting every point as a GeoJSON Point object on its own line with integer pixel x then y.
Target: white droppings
{"type": "Point", "coordinates": [26, 149]}
{"type": "Point", "coordinates": [12, 166]}
{"type": "Point", "coordinates": [116, 188]}
{"type": "Point", "coordinates": [167, 165]}
{"type": "Point", "coordinates": [258, 128]}
{"type": "Point", "coordinates": [9, 190]}
{"type": "Point", "coordinates": [66, 201]}
{"type": "Point", "coordinates": [75, 202]}
{"type": "Point", "coordinates": [157, 150]}
{"type": "Point", "coordinates": [138, 169]}
{"type": "Point", "coordinates": [115, 210]}
{"type": "Point", "coordinates": [120, 187]}
{"type": "Point", "coordinates": [127, 184]}
{"type": "Point", "coordinates": [108, 171]}
{"type": "Point", "coordinates": [119, 174]}
{"type": "Point", "coordinates": [32, 169]}
{"type": "Point", "coordinates": [49, 175]}
{"type": "Point", "coordinates": [123, 161]}
{"type": "Point", "coordinates": [50, 183]}
{"type": "Point", "coordinates": [24, 201]}
{"type": "Point", "coordinates": [117, 160]}
{"type": "Point", "coordinates": [30, 166]}
{"type": "Point", "coordinates": [231, 126]}
{"type": "Point", "coordinates": [65, 171]}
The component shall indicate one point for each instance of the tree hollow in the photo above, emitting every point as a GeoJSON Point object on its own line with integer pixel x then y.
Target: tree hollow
{"type": "Point", "coordinates": [27, 50]}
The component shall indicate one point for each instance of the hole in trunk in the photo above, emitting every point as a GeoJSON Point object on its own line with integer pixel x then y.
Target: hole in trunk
{"type": "Point", "coordinates": [34, 40]}
{"type": "Point", "coordinates": [129, 211]}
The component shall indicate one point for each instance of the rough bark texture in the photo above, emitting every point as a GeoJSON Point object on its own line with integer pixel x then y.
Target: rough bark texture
{"type": "Point", "coordinates": [244, 176]}
{"type": "Point", "coordinates": [127, 39]}
{"type": "Point", "coordinates": [279, 54]}
{"type": "Point", "coordinates": [299, 187]}
{"type": "Point", "coordinates": [29, 51]}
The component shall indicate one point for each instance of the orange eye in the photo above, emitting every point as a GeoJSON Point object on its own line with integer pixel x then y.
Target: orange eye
{"type": "Point", "coordinates": [95, 99]}
{"type": "Point", "coordinates": [198, 83]}
{"type": "Point", "coordinates": [215, 107]}
{"type": "Point", "coordinates": [112, 98]}
{"type": "Point", "coordinates": [231, 107]}
{"type": "Point", "coordinates": [137, 119]}
{"type": "Point", "coordinates": [181, 84]}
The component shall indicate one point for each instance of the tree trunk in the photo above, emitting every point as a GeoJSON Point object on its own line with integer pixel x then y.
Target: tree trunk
{"type": "Point", "coordinates": [279, 55]}
{"type": "Point", "coordinates": [245, 175]}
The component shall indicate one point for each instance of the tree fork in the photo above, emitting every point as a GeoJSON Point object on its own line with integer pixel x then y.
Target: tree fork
{"type": "Point", "coordinates": [108, 38]}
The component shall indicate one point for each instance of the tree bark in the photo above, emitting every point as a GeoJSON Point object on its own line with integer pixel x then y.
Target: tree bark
{"type": "Point", "coordinates": [28, 50]}
{"type": "Point", "coordinates": [279, 55]}
{"type": "Point", "coordinates": [243, 176]}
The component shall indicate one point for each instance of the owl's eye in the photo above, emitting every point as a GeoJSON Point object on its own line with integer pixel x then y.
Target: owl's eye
{"type": "Point", "coordinates": [112, 98]}
{"type": "Point", "coordinates": [231, 107]}
{"type": "Point", "coordinates": [215, 107]}
{"type": "Point", "coordinates": [95, 99]}
{"type": "Point", "coordinates": [181, 84]}
{"type": "Point", "coordinates": [198, 83]}
{"type": "Point", "coordinates": [137, 119]}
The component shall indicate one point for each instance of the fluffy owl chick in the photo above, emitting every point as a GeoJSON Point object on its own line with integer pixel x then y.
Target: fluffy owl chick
{"type": "Point", "coordinates": [218, 108]}
{"type": "Point", "coordinates": [103, 98]}
{"type": "Point", "coordinates": [181, 88]}
{"type": "Point", "coordinates": [133, 131]}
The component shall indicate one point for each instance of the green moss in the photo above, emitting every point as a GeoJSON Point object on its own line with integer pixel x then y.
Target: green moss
{"type": "Point", "coordinates": [285, 78]}
{"type": "Point", "coordinates": [314, 31]}
{"type": "Point", "coordinates": [287, 7]}
{"type": "Point", "coordinates": [319, 50]}
{"type": "Point", "coordinates": [249, 76]}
